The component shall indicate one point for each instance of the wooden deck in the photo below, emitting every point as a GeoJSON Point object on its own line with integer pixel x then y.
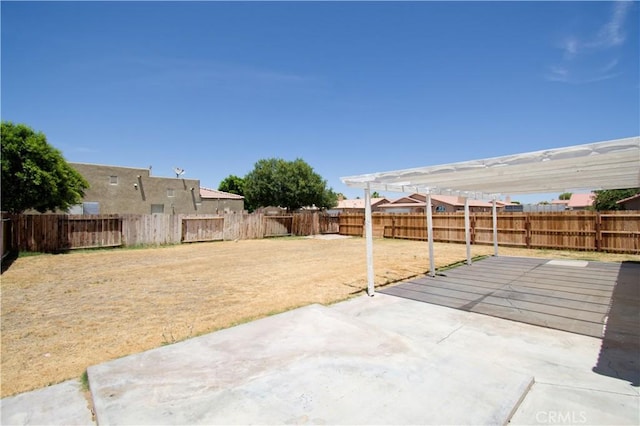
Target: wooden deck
{"type": "Point", "coordinates": [573, 296]}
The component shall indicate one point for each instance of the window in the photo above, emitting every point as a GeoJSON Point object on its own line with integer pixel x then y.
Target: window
{"type": "Point", "coordinates": [90, 207]}
{"type": "Point", "coordinates": [157, 208]}
{"type": "Point", "coordinates": [171, 192]}
{"type": "Point", "coordinates": [113, 180]}
{"type": "Point", "coordinates": [441, 209]}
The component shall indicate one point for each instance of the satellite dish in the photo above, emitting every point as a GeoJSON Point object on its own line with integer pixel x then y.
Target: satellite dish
{"type": "Point", "coordinates": [178, 171]}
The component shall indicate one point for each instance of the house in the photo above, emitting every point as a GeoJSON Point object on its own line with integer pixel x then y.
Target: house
{"type": "Point", "coordinates": [581, 201]}
{"type": "Point", "coordinates": [563, 204]}
{"type": "Point", "coordinates": [630, 203]}
{"type": "Point", "coordinates": [357, 205]}
{"type": "Point", "coordinates": [416, 203]}
{"type": "Point", "coordinates": [130, 190]}
{"type": "Point", "coordinates": [214, 201]}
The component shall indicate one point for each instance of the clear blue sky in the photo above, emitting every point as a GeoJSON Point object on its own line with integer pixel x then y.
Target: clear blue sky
{"type": "Point", "coordinates": [350, 88]}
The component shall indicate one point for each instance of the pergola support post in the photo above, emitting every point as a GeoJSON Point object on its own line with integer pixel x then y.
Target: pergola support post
{"type": "Point", "coordinates": [467, 230]}
{"type": "Point", "coordinates": [495, 228]}
{"type": "Point", "coordinates": [368, 229]}
{"type": "Point", "coordinates": [432, 261]}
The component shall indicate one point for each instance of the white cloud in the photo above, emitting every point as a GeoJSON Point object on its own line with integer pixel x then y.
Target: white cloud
{"type": "Point", "coordinates": [589, 59]}
{"type": "Point", "coordinates": [612, 33]}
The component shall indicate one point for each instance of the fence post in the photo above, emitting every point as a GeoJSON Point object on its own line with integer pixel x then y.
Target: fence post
{"type": "Point", "coordinates": [527, 230]}
{"type": "Point", "coordinates": [393, 226]}
{"type": "Point", "coordinates": [598, 235]}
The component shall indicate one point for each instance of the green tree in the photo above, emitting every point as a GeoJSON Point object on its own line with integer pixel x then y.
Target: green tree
{"type": "Point", "coordinates": [375, 194]}
{"type": "Point", "coordinates": [35, 175]}
{"type": "Point", "coordinates": [606, 199]}
{"type": "Point", "coordinates": [288, 184]}
{"type": "Point", "coordinates": [564, 196]}
{"type": "Point", "coordinates": [232, 184]}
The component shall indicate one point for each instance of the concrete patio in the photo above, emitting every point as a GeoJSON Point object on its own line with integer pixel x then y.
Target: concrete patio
{"type": "Point", "coordinates": [370, 360]}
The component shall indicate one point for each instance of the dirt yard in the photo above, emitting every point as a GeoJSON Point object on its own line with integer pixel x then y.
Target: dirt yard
{"type": "Point", "coordinates": [63, 313]}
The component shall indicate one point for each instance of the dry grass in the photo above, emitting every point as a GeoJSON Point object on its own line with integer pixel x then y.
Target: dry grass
{"type": "Point", "coordinates": [63, 313]}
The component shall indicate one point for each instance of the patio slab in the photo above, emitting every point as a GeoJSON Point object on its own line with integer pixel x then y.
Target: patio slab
{"type": "Point", "coordinates": [312, 365]}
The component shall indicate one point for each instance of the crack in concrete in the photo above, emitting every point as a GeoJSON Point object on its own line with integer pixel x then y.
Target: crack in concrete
{"type": "Point", "coordinates": [448, 335]}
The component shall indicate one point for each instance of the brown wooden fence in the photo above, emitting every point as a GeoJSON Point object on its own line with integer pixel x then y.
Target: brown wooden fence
{"type": "Point", "coordinates": [610, 231]}
{"type": "Point", "coordinates": [617, 232]}
{"type": "Point", "coordinates": [53, 233]}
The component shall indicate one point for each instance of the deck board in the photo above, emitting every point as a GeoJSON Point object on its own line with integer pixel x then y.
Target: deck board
{"type": "Point", "coordinates": [565, 297]}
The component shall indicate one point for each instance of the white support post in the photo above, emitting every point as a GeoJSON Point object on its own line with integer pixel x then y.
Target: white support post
{"type": "Point", "coordinates": [432, 262]}
{"type": "Point", "coordinates": [467, 230]}
{"type": "Point", "coordinates": [368, 228]}
{"type": "Point", "coordinates": [495, 228]}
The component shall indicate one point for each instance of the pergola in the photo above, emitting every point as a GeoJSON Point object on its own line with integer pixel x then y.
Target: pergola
{"type": "Point", "coordinates": [613, 164]}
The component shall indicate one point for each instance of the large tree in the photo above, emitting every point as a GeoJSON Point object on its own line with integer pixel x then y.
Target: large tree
{"type": "Point", "coordinates": [606, 198]}
{"type": "Point", "coordinates": [232, 184]}
{"type": "Point", "coordinates": [35, 175]}
{"type": "Point", "coordinates": [288, 184]}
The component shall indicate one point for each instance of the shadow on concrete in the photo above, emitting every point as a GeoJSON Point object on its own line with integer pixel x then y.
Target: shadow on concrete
{"type": "Point", "coordinates": [620, 351]}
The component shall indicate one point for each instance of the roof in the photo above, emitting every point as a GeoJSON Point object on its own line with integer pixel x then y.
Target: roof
{"type": "Point", "coordinates": [581, 200]}
{"type": "Point", "coordinates": [419, 200]}
{"type": "Point", "coordinates": [215, 194]}
{"type": "Point", "coordinates": [358, 203]}
{"type": "Point", "coordinates": [624, 200]}
{"type": "Point", "coordinates": [610, 164]}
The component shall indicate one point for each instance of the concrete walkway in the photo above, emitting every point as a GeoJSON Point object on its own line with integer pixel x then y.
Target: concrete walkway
{"type": "Point", "coordinates": [380, 360]}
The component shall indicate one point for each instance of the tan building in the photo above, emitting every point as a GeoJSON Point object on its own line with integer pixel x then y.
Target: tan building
{"type": "Point", "coordinates": [221, 202]}
{"type": "Point", "coordinates": [129, 190]}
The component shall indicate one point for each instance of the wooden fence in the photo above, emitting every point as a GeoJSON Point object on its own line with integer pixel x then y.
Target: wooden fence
{"type": "Point", "coordinates": [617, 232]}
{"type": "Point", "coordinates": [54, 233]}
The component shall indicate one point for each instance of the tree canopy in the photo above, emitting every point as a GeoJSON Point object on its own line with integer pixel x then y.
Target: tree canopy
{"type": "Point", "coordinates": [565, 196]}
{"type": "Point", "coordinates": [288, 184]}
{"type": "Point", "coordinates": [35, 175]}
{"type": "Point", "coordinates": [606, 199]}
{"type": "Point", "coordinates": [232, 184]}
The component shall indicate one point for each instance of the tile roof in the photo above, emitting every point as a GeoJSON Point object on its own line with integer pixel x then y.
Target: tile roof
{"type": "Point", "coordinates": [215, 194]}
{"type": "Point", "coordinates": [420, 200]}
{"type": "Point", "coordinates": [581, 200]}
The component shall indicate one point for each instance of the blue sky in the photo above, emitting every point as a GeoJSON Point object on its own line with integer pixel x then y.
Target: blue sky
{"type": "Point", "coordinates": [350, 87]}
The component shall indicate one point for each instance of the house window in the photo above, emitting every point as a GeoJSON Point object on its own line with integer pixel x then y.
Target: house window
{"type": "Point", "coordinates": [113, 180]}
{"type": "Point", "coordinates": [171, 192]}
{"type": "Point", "coordinates": [441, 209]}
{"type": "Point", "coordinates": [157, 208]}
{"type": "Point", "coordinates": [90, 207]}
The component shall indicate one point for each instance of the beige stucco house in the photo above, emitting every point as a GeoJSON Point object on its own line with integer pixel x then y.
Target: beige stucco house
{"type": "Point", "coordinates": [130, 190]}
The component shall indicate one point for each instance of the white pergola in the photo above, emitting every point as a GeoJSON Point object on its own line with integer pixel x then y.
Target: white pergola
{"type": "Point", "coordinates": [613, 164]}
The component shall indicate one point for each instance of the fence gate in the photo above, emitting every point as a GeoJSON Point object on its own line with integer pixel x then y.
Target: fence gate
{"type": "Point", "coordinates": [278, 226]}
{"type": "Point", "coordinates": [196, 229]}
{"type": "Point", "coordinates": [329, 224]}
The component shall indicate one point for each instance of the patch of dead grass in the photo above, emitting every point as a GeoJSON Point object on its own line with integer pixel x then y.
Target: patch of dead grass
{"type": "Point", "coordinates": [63, 313]}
